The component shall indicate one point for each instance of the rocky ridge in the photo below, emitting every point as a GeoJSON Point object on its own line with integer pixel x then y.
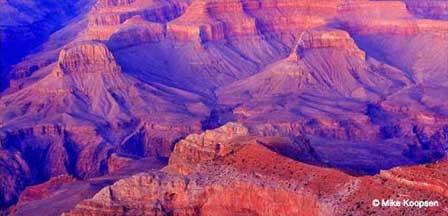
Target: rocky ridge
{"type": "Point", "coordinates": [133, 77]}
{"type": "Point", "coordinates": [260, 181]}
{"type": "Point", "coordinates": [86, 76]}
{"type": "Point", "coordinates": [87, 58]}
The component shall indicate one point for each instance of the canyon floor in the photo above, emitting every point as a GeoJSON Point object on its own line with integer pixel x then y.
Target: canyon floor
{"type": "Point", "coordinates": [223, 107]}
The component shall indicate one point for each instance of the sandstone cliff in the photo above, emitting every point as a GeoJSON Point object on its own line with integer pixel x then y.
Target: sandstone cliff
{"type": "Point", "coordinates": [87, 58]}
{"type": "Point", "coordinates": [250, 180]}
{"type": "Point", "coordinates": [86, 81]}
{"type": "Point", "coordinates": [357, 86]}
{"type": "Point", "coordinates": [194, 195]}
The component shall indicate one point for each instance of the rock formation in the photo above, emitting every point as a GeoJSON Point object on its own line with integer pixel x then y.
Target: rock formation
{"type": "Point", "coordinates": [327, 38]}
{"type": "Point", "coordinates": [137, 30]}
{"type": "Point", "coordinates": [251, 180]}
{"type": "Point", "coordinates": [207, 146]}
{"type": "Point", "coordinates": [87, 58]}
{"type": "Point", "coordinates": [307, 68]}
{"type": "Point", "coordinates": [211, 20]}
{"type": "Point", "coordinates": [107, 16]}
{"type": "Point", "coordinates": [428, 9]}
{"type": "Point", "coordinates": [352, 87]}
{"type": "Point", "coordinates": [85, 81]}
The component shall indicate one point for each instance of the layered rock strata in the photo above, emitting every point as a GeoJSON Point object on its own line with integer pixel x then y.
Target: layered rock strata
{"type": "Point", "coordinates": [252, 179]}
{"type": "Point", "coordinates": [359, 80]}
{"type": "Point", "coordinates": [86, 81]}
{"type": "Point", "coordinates": [87, 58]}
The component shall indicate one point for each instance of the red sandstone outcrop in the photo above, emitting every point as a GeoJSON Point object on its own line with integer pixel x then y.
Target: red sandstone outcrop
{"type": "Point", "coordinates": [107, 16]}
{"type": "Point", "coordinates": [136, 31]}
{"type": "Point", "coordinates": [197, 148]}
{"type": "Point", "coordinates": [397, 26]}
{"type": "Point", "coordinates": [250, 180]}
{"type": "Point", "coordinates": [87, 57]}
{"type": "Point", "coordinates": [85, 81]}
{"type": "Point", "coordinates": [220, 20]}
{"type": "Point", "coordinates": [364, 81]}
{"type": "Point", "coordinates": [40, 191]}
{"type": "Point", "coordinates": [327, 38]}
{"type": "Point", "coordinates": [374, 9]}
{"type": "Point", "coordinates": [116, 12]}
{"type": "Point", "coordinates": [191, 195]}
{"type": "Point", "coordinates": [396, 20]}
{"type": "Point", "coordinates": [117, 162]}
{"type": "Point", "coordinates": [162, 194]}
{"type": "Point", "coordinates": [212, 20]}
{"type": "Point", "coordinates": [62, 193]}
{"type": "Point", "coordinates": [291, 17]}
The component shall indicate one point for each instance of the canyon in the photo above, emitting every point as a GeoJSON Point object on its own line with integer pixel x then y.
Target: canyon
{"type": "Point", "coordinates": [223, 107]}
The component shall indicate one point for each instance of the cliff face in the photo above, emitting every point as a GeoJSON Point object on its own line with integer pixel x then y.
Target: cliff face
{"type": "Point", "coordinates": [230, 193]}
{"type": "Point", "coordinates": [207, 146]}
{"type": "Point", "coordinates": [205, 21]}
{"type": "Point", "coordinates": [327, 39]}
{"type": "Point", "coordinates": [137, 30]}
{"type": "Point", "coordinates": [87, 58]}
{"type": "Point", "coordinates": [51, 141]}
{"type": "Point", "coordinates": [197, 149]}
{"type": "Point", "coordinates": [160, 194]}
{"type": "Point", "coordinates": [357, 86]}
{"type": "Point", "coordinates": [251, 179]}
{"type": "Point", "coordinates": [107, 16]}
{"type": "Point", "coordinates": [326, 61]}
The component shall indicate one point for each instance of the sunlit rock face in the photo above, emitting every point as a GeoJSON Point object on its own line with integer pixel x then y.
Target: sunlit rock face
{"type": "Point", "coordinates": [253, 175]}
{"type": "Point", "coordinates": [87, 58]}
{"type": "Point", "coordinates": [233, 92]}
{"type": "Point", "coordinates": [232, 193]}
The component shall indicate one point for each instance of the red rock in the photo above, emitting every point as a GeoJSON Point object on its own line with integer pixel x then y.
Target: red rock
{"type": "Point", "coordinates": [136, 31]}
{"type": "Point", "coordinates": [107, 16]}
{"type": "Point", "coordinates": [74, 146]}
{"type": "Point", "coordinates": [252, 180]}
{"type": "Point", "coordinates": [357, 86]}
{"type": "Point", "coordinates": [88, 57]}
{"type": "Point", "coordinates": [198, 148]}
{"type": "Point", "coordinates": [184, 195]}
{"type": "Point", "coordinates": [210, 20]}
{"type": "Point", "coordinates": [396, 20]}
{"type": "Point", "coordinates": [40, 191]}
{"type": "Point", "coordinates": [117, 162]}
{"type": "Point", "coordinates": [327, 38]}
